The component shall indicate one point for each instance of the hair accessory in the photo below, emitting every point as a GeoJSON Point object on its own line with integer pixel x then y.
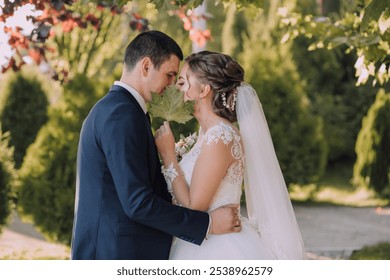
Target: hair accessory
{"type": "Point", "coordinates": [234, 99]}
{"type": "Point", "coordinates": [224, 100]}
{"type": "Point", "coordinates": [227, 106]}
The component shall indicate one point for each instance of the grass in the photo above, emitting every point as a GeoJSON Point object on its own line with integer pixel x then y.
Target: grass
{"type": "Point", "coordinates": [380, 251]}
{"type": "Point", "coordinates": [335, 188]}
{"type": "Point", "coordinates": [24, 256]}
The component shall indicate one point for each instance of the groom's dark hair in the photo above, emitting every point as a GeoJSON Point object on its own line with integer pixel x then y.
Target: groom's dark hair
{"type": "Point", "coordinates": [154, 44]}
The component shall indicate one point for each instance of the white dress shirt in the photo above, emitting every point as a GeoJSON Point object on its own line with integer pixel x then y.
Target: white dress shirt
{"type": "Point", "coordinates": [135, 93]}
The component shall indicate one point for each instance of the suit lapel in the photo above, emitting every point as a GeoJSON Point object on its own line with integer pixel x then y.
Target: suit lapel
{"type": "Point", "coordinates": [148, 117]}
{"type": "Point", "coordinates": [132, 100]}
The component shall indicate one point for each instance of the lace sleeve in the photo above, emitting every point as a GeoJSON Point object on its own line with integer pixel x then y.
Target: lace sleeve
{"type": "Point", "coordinates": [221, 132]}
{"type": "Point", "coordinates": [226, 134]}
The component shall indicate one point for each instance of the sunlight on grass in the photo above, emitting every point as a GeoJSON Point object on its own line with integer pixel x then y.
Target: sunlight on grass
{"type": "Point", "coordinates": [24, 256]}
{"type": "Point", "coordinates": [335, 188]}
{"type": "Point", "coordinates": [333, 195]}
{"type": "Point", "coordinates": [17, 246]}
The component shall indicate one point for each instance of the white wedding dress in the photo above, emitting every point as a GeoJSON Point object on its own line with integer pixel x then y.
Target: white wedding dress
{"type": "Point", "coordinates": [247, 244]}
{"type": "Point", "coordinates": [272, 231]}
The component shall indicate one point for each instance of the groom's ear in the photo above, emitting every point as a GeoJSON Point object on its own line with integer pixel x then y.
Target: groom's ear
{"type": "Point", "coordinates": [146, 65]}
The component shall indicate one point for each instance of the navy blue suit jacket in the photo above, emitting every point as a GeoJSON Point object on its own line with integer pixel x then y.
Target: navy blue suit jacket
{"type": "Point", "coordinates": [122, 207]}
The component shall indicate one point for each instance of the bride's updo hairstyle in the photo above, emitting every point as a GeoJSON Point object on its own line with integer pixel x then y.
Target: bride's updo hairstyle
{"type": "Point", "coordinates": [223, 74]}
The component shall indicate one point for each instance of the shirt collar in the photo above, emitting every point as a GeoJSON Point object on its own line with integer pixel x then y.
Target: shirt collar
{"type": "Point", "coordinates": [135, 93]}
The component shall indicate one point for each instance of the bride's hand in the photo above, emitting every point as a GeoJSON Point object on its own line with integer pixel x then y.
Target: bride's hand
{"type": "Point", "coordinates": [165, 142]}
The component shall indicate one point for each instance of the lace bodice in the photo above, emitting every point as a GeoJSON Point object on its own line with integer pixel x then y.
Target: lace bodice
{"type": "Point", "coordinates": [229, 190]}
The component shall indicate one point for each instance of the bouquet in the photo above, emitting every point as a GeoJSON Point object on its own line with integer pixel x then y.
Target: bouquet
{"type": "Point", "coordinates": [184, 145]}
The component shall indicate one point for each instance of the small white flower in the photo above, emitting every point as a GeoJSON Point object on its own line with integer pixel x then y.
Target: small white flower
{"type": "Point", "coordinates": [184, 145]}
{"type": "Point", "coordinates": [282, 11]}
{"type": "Point", "coordinates": [191, 140]}
{"type": "Point", "coordinates": [363, 77]}
{"type": "Point", "coordinates": [182, 150]}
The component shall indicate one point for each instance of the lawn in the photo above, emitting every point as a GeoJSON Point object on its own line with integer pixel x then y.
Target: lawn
{"type": "Point", "coordinates": [335, 188]}
{"type": "Point", "coordinates": [380, 251]}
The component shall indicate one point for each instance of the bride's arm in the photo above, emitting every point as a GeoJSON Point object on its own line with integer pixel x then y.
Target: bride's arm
{"type": "Point", "coordinates": [210, 168]}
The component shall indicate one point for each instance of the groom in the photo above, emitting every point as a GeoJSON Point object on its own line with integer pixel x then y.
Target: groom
{"type": "Point", "coordinates": [122, 208]}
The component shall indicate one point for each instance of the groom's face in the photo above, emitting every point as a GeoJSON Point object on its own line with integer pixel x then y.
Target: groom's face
{"type": "Point", "coordinates": [159, 79]}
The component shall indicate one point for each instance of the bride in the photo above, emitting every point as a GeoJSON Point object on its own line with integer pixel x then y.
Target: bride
{"type": "Point", "coordinates": [212, 172]}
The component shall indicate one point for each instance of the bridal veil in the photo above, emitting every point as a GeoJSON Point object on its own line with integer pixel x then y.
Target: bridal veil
{"type": "Point", "coordinates": [267, 199]}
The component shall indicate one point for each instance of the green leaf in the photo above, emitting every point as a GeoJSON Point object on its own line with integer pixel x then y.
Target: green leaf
{"type": "Point", "coordinates": [193, 3]}
{"type": "Point", "coordinates": [373, 12]}
{"type": "Point", "coordinates": [119, 3]}
{"type": "Point", "coordinates": [163, 4]}
{"type": "Point", "coordinates": [339, 40]}
{"type": "Point", "coordinates": [173, 5]}
{"type": "Point", "coordinates": [171, 106]}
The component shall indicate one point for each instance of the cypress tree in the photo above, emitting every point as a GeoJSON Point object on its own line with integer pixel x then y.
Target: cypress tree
{"type": "Point", "coordinates": [372, 166]}
{"type": "Point", "coordinates": [24, 112]}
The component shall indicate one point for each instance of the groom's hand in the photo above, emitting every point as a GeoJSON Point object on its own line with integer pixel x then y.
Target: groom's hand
{"type": "Point", "coordinates": [226, 219]}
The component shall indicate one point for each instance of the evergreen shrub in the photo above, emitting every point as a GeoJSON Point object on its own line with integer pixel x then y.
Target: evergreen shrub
{"type": "Point", "coordinates": [7, 175]}
{"type": "Point", "coordinates": [330, 80]}
{"type": "Point", "coordinates": [372, 166]}
{"type": "Point", "coordinates": [297, 134]}
{"type": "Point", "coordinates": [24, 111]}
{"type": "Point", "coordinates": [48, 174]}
